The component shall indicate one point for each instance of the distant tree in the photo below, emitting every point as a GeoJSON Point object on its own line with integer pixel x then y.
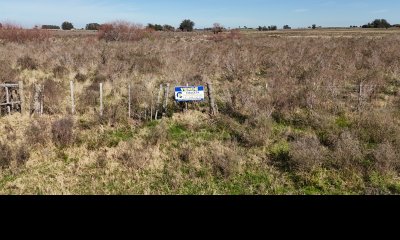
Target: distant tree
{"type": "Point", "coordinates": [381, 23]}
{"type": "Point", "coordinates": [187, 25]}
{"type": "Point", "coordinates": [378, 23]}
{"type": "Point", "coordinates": [67, 26]}
{"type": "Point", "coordinates": [155, 27]}
{"type": "Point", "coordinates": [168, 28]}
{"type": "Point", "coordinates": [287, 27]}
{"type": "Point", "coordinates": [1, 25]}
{"type": "Point", "coordinates": [50, 27]}
{"type": "Point", "coordinates": [272, 28]}
{"type": "Point", "coordinates": [92, 26]}
{"type": "Point", "coordinates": [260, 28]}
{"type": "Point", "coordinates": [264, 28]}
{"type": "Point", "coordinates": [217, 28]}
{"type": "Point", "coordinates": [314, 26]}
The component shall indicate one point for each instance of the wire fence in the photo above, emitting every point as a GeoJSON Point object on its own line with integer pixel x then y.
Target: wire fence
{"type": "Point", "coordinates": [138, 101]}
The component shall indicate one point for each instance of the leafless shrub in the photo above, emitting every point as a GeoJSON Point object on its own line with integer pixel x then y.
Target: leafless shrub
{"type": "Point", "coordinates": [307, 154]}
{"type": "Point", "coordinates": [60, 71]}
{"type": "Point", "coordinates": [7, 73]}
{"type": "Point", "coordinates": [79, 77]}
{"type": "Point", "coordinates": [376, 127]}
{"type": "Point", "coordinates": [386, 158]}
{"type": "Point", "coordinates": [225, 161]}
{"type": "Point", "coordinates": [115, 113]}
{"type": "Point", "coordinates": [15, 33]}
{"type": "Point", "coordinates": [89, 99]}
{"type": "Point", "coordinates": [22, 155]}
{"type": "Point", "coordinates": [122, 31]}
{"type": "Point", "coordinates": [53, 96]}
{"type": "Point", "coordinates": [6, 156]}
{"type": "Point", "coordinates": [27, 63]}
{"type": "Point", "coordinates": [37, 133]}
{"type": "Point", "coordinates": [62, 132]}
{"type": "Point", "coordinates": [348, 154]}
{"type": "Point", "coordinates": [159, 134]}
{"type": "Point", "coordinates": [134, 157]}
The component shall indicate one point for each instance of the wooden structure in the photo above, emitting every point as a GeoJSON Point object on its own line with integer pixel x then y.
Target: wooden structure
{"type": "Point", "coordinates": [11, 99]}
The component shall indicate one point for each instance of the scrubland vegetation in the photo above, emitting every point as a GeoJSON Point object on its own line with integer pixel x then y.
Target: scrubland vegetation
{"type": "Point", "coordinates": [312, 113]}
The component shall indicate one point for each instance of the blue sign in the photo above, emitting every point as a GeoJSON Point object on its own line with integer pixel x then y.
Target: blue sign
{"type": "Point", "coordinates": [189, 94]}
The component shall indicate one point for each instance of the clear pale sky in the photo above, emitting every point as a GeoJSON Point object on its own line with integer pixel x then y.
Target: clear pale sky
{"type": "Point", "coordinates": [230, 13]}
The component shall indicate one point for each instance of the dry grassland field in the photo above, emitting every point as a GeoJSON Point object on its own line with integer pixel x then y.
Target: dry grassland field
{"type": "Point", "coordinates": [298, 112]}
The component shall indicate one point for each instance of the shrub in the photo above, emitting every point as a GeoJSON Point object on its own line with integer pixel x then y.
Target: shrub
{"type": "Point", "coordinates": [27, 63]}
{"type": "Point", "coordinates": [53, 97]}
{"type": "Point", "coordinates": [7, 73]}
{"type": "Point", "coordinates": [158, 134]}
{"type": "Point", "coordinates": [375, 127]}
{"type": "Point", "coordinates": [92, 26]}
{"type": "Point", "coordinates": [90, 98]}
{"type": "Point", "coordinates": [60, 71]}
{"type": "Point", "coordinates": [307, 154]}
{"type": "Point", "coordinates": [385, 158]}
{"type": "Point", "coordinates": [5, 156]}
{"type": "Point", "coordinates": [168, 28]}
{"type": "Point", "coordinates": [37, 133]}
{"type": "Point", "coordinates": [225, 161]}
{"type": "Point", "coordinates": [62, 132]}
{"type": "Point", "coordinates": [80, 77]}
{"type": "Point", "coordinates": [134, 157]}
{"type": "Point", "coordinates": [155, 27]}
{"type": "Point", "coordinates": [122, 31]}
{"type": "Point", "coordinates": [348, 153]}
{"type": "Point", "coordinates": [50, 27]}
{"type": "Point", "coordinates": [22, 155]}
{"type": "Point", "coordinates": [15, 33]}
{"type": "Point", "coordinates": [217, 28]}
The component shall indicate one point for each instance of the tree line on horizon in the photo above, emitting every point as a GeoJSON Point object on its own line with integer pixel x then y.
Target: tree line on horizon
{"type": "Point", "coordinates": [187, 25]}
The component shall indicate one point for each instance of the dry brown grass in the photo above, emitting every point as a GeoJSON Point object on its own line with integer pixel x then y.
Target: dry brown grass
{"type": "Point", "coordinates": [289, 106]}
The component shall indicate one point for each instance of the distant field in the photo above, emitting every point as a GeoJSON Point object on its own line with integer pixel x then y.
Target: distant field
{"type": "Point", "coordinates": [293, 33]}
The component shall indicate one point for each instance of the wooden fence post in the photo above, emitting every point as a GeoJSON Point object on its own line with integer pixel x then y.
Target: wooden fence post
{"type": "Point", "coordinates": [158, 101]}
{"type": "Point", "coordinates": [36, 99]}
{"type": "Point", "coordinates": [8, 101]}
{"type": "Point", "coordinates": [166, 100]}
{"type": "Point", "coordinates": [21, 96]}
{"type": "Point", "coordinates": [101, 100]}
{"type": "Point", "coordinates": [72, 98]}
{"type": "Point", "coordinates": [41, 99]}
{"type": "Point", "coordinates": [129, 102]}
{"type": "Point", "coordinates": [360, 95]}
{"type": "Point", "coordinates": [213, 110]}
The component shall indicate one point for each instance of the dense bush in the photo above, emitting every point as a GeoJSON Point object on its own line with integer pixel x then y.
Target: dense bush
{"type": "Point", "coordinates": [92, 26]}
{"type": "Point", "coordinates": [378, 23]}
{"type": "Point", "coordinates": [67, 26]}
{"type": "Point", "coordinates": [187, 25]}
{"type": "Point", "coordinates": [50, 27]}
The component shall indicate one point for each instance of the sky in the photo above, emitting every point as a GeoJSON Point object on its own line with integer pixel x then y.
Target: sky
{"type": "Point", "coordinates": [230, 13]}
